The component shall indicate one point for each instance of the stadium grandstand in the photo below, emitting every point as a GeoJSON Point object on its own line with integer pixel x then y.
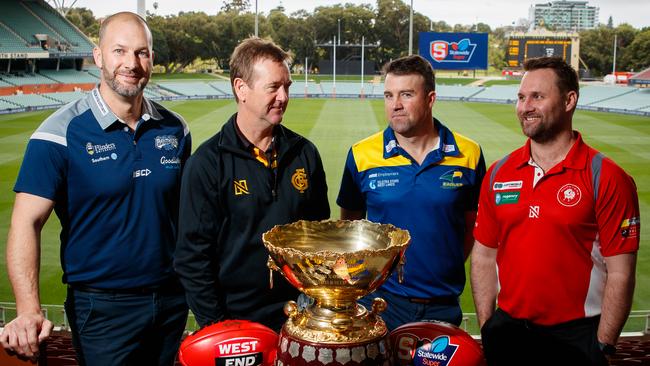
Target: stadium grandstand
{"type": "Point", "coordinates": [641, 79]}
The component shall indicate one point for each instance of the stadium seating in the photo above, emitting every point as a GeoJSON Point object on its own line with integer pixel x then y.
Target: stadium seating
{"type": "Point", "coordinates": [190, 88]}
{"type": "Point", "coordinates": [594, 94]}
{"type": "Point", "coordinates": [222, 86]}
{"type": "Point", "coordinates": [636, 100]}
{"type": "Point", "coordinates": [498, 93]}
{"type": "Point", "coordinates": [457, 92]}
{"type": "Point", "coordinates": [11, 43]}
{"type": "Point", "coordinates": [69, 76]}
{"type": "Point", "coordinates": [64, 28]}
{"type": "Point", "coordinates": [66, 97]}
{"type": "Point", "coordinates": [30, 100]}
{"type": "Point", "coordinates": [26, 79]}
{"type": "Point", "coordinates": [298, 88]}
{"type": "Point", "coordinates": [16, 16]}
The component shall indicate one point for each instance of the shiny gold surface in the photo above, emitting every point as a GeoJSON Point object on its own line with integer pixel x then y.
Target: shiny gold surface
{"type": "Point", "coordinates": [336, 263]}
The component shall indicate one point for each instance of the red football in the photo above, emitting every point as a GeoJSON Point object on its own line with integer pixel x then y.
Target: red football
{"type": "Point", "coordinates": [230, 343]}
{"type": "Point", "coordinates": [434, 344]}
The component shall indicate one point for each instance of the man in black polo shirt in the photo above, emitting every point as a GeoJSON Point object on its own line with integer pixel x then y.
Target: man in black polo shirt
{"type": "Point", "coordinates": [252, 175]}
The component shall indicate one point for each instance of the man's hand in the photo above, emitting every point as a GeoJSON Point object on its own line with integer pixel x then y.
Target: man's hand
{"type": "Point", "coordinates": [24, 334]}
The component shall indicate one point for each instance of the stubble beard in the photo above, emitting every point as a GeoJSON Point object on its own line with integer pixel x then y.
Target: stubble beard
{"type": "Point", "coordinates": [127, 91]}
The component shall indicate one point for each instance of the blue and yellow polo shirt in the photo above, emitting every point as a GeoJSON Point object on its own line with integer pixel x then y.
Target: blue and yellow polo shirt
{"type": "Point", "coordinates": [115, 190]}
{"type": "Point", "coordinates": [429, 200]}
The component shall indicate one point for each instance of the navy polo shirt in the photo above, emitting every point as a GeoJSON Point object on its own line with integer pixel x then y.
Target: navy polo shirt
{"type": "Point", "coordinates": [115, 190]}
{"type": "Point", "coordinates": [428, 200]}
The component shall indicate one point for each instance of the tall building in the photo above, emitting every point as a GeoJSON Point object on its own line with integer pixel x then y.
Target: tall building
{"type": "Point", "coordinates": [564, 15]}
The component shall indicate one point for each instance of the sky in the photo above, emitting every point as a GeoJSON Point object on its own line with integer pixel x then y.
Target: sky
{"type": "Point", "coordinates": [492, 12]}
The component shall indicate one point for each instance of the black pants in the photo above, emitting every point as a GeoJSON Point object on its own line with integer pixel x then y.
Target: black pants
{"type": "Point", "coordinates": [509, 341]}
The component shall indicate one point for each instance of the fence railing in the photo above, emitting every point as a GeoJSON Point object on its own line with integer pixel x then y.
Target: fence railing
{"type": "Point", "coordinates": [638, 323]}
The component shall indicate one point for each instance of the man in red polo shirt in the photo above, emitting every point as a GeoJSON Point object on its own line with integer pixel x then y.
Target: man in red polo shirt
{"type": "Point", "coordinates": [556, 236]}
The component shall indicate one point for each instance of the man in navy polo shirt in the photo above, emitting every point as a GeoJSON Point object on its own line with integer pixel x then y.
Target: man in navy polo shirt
{"type": "Point", "coordinates": [110, 166]}
{"type": "Point", "coordinates": [420, 176]}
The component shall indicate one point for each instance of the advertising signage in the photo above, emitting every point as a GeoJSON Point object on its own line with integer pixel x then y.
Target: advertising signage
{"type": "Point", "coordinates": [455, 51]}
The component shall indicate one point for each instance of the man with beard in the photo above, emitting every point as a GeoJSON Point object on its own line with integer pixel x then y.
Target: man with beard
{"type": "Point", "coordinates": [109, 165]}
{"type": "Point", "coordinates": [561, 223]}
{"type": "Point", "coordinates": [252, 175]}
{"type": "Point", "coordinates": [418, 175]}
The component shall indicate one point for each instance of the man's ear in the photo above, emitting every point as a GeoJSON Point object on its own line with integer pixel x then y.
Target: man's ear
{"type": "Point", "coordinates": [97, 56]}
{"type": "Point", "coordinates": [240, 87]}
{"type": "Point", "coordinates": [571, 100]}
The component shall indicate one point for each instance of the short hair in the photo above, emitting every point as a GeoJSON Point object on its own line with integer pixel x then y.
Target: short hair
{"type": "Point", "coordinates": [567, 77]}
{"type": "Point", "coordinates": [414, 64]}
{"type": "Point", "coordinates": [247, 53]}
{"type": "Point", "coordinates": [105, 23]}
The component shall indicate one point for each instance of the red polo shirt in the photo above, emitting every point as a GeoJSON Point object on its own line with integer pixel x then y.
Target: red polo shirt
{"type": "Point", "coordinates": [552, 231]}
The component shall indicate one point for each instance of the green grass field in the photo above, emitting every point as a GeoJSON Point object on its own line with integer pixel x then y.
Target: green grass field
{"type": "Point", "coordinates": [333, 125]}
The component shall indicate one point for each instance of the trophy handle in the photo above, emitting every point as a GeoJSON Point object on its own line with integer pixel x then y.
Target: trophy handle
{"type": "Point", "coordinates": [272, 267]}
{"type": "Point", "coordinates": [400, 269]}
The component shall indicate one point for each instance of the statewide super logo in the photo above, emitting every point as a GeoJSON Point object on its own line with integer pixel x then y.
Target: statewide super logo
{"type": "Point", "coordinates": [424, 352]}
{"type": "Point", "coordinates": [244, 351]}
{"type": "Point", "coordinates": [461, 51]}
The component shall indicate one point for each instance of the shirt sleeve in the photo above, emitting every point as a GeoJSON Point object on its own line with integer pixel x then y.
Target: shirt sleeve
{"type": "Point", "coordinates": [350, 196]}
{"type": "Point", "coordinates": [320, 203]}
{"type": "Point", "coordinates": [43, 170]}
{"type": "Point", "coordinates": [474, 194]}
{"type": "Point", "coordinates": [486, 228]}
{"type": "Point", "coordinates": [617, 211]}
{"type": "Point", "coordinates": [200, 219]}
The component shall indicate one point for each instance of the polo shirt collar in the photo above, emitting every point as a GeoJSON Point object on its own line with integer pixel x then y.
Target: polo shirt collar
{"type": "Point", "coordinates": [575, 159]}
{"type": "Point", "coordinates": [447, 145]}
{"type": "Point", "coordinates": [106, 118]}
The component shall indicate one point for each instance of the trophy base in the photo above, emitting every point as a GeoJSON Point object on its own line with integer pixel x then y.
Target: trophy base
{"type": "Point", "coordinates": [293, 351]}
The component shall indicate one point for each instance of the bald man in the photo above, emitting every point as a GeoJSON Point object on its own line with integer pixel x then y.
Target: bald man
{"type": "Point", "coordinates": [109, 165]}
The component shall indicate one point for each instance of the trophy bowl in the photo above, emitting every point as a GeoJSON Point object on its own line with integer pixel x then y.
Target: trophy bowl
{"type": "Point", "coordinates": [335, 263]}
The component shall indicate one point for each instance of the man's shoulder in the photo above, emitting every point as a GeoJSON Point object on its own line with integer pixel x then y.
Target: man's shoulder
{"type": "Point", "coordinates": [171, 117]}
{"type": "Point", "coordinates": [466, 145]}
{"type": "Point", "coordinates": [55, 127]}
{"type": "Point", "coordinates": [372, 141]}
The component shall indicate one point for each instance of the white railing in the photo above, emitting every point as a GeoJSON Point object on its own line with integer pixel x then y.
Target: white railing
{"type": "Point", "coordinates": [638, 323]}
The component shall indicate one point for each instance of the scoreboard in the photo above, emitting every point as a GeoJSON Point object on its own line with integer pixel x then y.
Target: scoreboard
{"type": "Point", "coordinates": [522, 47]}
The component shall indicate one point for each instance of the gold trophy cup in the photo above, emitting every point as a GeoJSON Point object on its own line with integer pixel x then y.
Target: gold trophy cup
{"type": "Point", "coordinates": [335, 263]}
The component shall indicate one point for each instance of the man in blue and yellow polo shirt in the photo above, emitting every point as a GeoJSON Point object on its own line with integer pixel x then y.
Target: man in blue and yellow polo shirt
{"type": "Point", "coordinates": [420, 176]}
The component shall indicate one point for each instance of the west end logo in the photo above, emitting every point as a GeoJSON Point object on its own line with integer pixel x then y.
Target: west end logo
{"type": "Point", "coordinates": [166, 142]}
{"type": "Point", "coordinates": [445, 52]}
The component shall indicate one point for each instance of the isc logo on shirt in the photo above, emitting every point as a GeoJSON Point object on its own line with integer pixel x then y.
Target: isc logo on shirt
{"type": "Point", "coordinates": [141, 173]}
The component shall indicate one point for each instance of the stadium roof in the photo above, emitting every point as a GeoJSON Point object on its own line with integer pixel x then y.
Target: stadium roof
{"type": "Point", "coordinates": [642, 78]}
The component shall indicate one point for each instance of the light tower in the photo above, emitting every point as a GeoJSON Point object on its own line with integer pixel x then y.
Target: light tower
{"type": "Point", "coordinates": [142, 9]}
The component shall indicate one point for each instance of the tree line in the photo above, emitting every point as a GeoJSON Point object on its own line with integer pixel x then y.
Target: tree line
{"type": "Point", "coordinates": [185, 37]}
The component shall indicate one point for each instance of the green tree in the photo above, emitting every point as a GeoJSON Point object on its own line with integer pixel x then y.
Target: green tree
{"type": "Point", "coordinates": [84, 19]}
{"type": "Point", "coordinates": [637, 55]}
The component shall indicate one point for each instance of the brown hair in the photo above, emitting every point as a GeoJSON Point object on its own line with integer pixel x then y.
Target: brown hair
{"type": "Point", "coordinates": [247, 53]}
{"type": "Point", "coordinates": [414, 64]}
{"type": "Point", "coordinates": [567, 78]}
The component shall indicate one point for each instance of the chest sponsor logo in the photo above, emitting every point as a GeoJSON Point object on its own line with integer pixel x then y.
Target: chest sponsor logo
{"type": "Point", "coordinates": [533, 212]}
{"type": "Point", "coordinates": [242, 351]}
{"type": "Point", "coordinates": [423, 352]}
{"type": "Point", "coordinates": [173, 162]}
{"type": "Point", "coordinates": [452, 179]}
{"type": "Point", "coordinates": [569, 195]}
{"type": "Point", "coordinates": [504, 186]}
{"type": "Point", "coordinates": [241, 187]}
{"type": "Point", "coordinates": [382, 180]}
{"type": "Point", "coordinates": [299, 180]}
{"type": "Point", "coordinates": [166, 142]}
{"type": "Point", "coordinates": [141, 173]}
{"type": "Point", "coordinates": [630, 227]}
{"type": "Point", "coordinates": [506, 198]}
{"type": "Point", "coordinates": [93, 149]}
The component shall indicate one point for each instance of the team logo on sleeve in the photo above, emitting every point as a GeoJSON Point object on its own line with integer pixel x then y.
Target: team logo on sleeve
{"type": "Point", "coordinates": [299, 180]}
{"type": "Point", "coordinates": [630, 227]}
{"type": "Point", "coordinates": [166, 142]}
{"type": "Point", "coordinates": [569, 195]}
